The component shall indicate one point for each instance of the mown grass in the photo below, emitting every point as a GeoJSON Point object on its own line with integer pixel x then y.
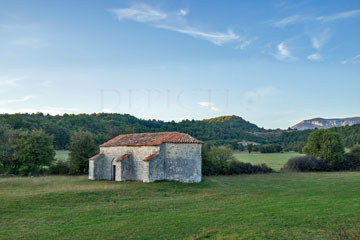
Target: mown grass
{"type": "Point", "coordinates": [273, 160]}
{"type": "Point", "coordinates": [270, 206]}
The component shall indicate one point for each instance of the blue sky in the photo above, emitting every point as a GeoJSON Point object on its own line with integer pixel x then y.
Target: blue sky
{"type": "Point", "coordinates": [273, 63]}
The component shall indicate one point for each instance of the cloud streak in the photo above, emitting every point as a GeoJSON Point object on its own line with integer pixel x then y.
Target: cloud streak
{"type": "Point", "coordinates": [338, 16]}
{"type": "Point", "coordinates": [216, 38]}
{"type": "Point", "coordinates": [314, 57]}
{"type": "Point", "coordinates": [22, 99]}
{"type": "Point", "coordinates": [353, 60]}
{"type": "Point", "coordinates": [209, 105]}
{"type": "Point", "coordinates": [6, 81]}
{"type": "Point", "coordinates": [139, 13]}
{"type": "Point", "coordinates": [168, 21]}
{"type": "Point", "coordinates": [327, 18]}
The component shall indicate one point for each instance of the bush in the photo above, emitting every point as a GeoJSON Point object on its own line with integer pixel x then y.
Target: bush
{"type": "Point", "coordinates": [271, 148]}
{"type": "Point", "coordinates": [215, 160]}
{"type": "Point", "coordinates": [236, 167]}
{"type": "Point", "coordinates": [82, 148]}
{"type": "Point", "coordinates": [59, 168]}
{"type": "Point", "coordinates": [326, 145]}
{"type": "Point", "coordinates": [32, 150]}
{"type": "Point", "coordinates": [306, 164]}
{"type": "Point", "coordinates": [350, 162]}
{"type": "Point", "coordinates": [220, 161]}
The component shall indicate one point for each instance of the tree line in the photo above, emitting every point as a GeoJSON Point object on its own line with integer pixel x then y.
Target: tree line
{"type": "Point", "coordinates": [325, 152]}
{"type": "Point", "coordinates": [31, 152]}
{"type": "Point", "coordinates": [226, 130]}
{"type": "Point", "coordinates": [105, 126]}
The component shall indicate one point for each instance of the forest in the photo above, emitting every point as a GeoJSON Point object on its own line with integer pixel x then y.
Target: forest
{"type": "Point", "coordinates": [225, 130]}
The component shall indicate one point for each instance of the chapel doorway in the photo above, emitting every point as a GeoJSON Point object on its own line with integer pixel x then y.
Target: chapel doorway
{"type": "Point", "coordinates": [114, 172]}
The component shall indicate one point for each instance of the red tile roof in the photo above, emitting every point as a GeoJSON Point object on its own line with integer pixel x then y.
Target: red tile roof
{"type": "Point", "coordinates": [150, 139]}
{"type": "Point", "coordinates": [122, 157]}
{"type": "Point", "coordinates": [96, 156]}
{"type": "Point", "coordinates": [148, 158]}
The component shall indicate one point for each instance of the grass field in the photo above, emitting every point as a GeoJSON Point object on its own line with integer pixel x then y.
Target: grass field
{"type": "Point", "coordinates": [270, 206]}
{"type": "Point", "coordinates": [62, 155]}
{"type": "Point", "coordinates": [274, 160]}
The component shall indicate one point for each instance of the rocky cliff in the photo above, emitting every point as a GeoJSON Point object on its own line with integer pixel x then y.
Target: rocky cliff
{"type": "Point", "coordinates": [321, 123]}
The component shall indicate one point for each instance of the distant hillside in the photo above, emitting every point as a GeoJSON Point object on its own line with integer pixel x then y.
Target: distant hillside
{"type": "Point", "coordinates": [104, 126]}
{"type": "Point", "coordinates": [222, 130]}
{"type": "Point", "coordinates": [234, 121]}
{"type": "Point", "coordinates": [321, 123]}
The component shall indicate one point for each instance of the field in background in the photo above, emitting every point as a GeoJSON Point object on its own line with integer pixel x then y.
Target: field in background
{"type": "Point", "coordinates": [274, 160]}
{"type": "Point", "coordinates": [62, 155]}
{"type": "Point", "coordinates": [263, 206]}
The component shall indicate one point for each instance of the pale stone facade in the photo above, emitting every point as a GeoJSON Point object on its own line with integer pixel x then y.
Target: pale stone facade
{"type": "Point", "coordinates": [164, 158]}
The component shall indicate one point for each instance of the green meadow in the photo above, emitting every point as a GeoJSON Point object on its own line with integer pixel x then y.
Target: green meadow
{"type": "Point", "coordinates": [274, 160]}
{"type": "Point", "coordinates": [62, 155]}
{"type": "Point", "coordinates": [268, 206]}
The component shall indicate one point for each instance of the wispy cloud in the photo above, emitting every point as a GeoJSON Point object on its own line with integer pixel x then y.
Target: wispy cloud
{"type": "Point", "coordinates": [183, 12]}
{"type": "Point", "coordinates": [283, 52]}
{"type": "Point", "coordinates": [338, 16]}
{"type": "Point", "coordinates": [170, 21]}
{"type": "Point", "coordinates": [327, 18]}
{"type": "Point", "coordinates": [9, 81]}
{"type": "Point", "coordinates": [314, 57]}
{"type": "Point", "coordinates": [209, 105]}
{"type": "Point", "coordinates": [288, 20]}
{"type": "Point", "coordinates": [354, 60]}
{"type": "Point", "coordinates": [217, 38]}
{"type": "Point", "coordinates": [139, 13]}
{"type": "Point", "coordinates": [245, 43]}
{"type": "Point", "coordinates": [22, 99]}
{"type": "Point", "coordinates": [319, 40]}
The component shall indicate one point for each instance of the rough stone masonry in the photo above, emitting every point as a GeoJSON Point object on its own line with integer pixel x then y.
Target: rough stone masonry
{"type": "Point", "coordinates": [148, 157]}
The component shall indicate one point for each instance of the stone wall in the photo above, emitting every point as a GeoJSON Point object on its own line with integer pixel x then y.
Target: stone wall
{"type": "Point", "coordinates": [157, 168]}
{"type": "Point", "coordinates": [179, 162]}
{"type": "Point", "coordinates": [182, 162]}
{"type": "Point", "coordinates": [132, 168]}
{"type": "Point", "coordinates": [100, 168]}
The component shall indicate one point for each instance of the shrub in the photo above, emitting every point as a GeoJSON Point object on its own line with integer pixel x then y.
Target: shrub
{"type": "Point", "coordinates": [59, 168]}
{"type": "Point", "coordinates": [32, 150]}
{"type": "Point", "coordinates": [215, 160]}
{"type": "Point", "coordinates": [355, 150]}
{"type": "Point", "coordinates": [306, 164]}
{"type": "Point", "coordinates": [350, 162]}
{"type": "Point", "coordinates": [326, 145]}
{"type": "Point", "coordinates": [236, 167]}
{"type": "Point", "coordinates": [220, 161]}
{"type": "Point", "coordinates": [81, 149]}
{"type": "Point", "coordinates": [271, 148]}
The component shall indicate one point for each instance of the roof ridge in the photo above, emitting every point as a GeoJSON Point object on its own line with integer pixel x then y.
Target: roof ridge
{"type": "Point", "coordinates": [150, 139]}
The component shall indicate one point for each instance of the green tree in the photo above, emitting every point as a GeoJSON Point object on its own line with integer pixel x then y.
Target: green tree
{"type": "Point", "coordinates": [31, 151]}
{"type": "Point", "coordinates": [82, 147]}
{"type": "Point", "coordinates": [250, 147]}
{"type": "Point", "coordinates": [5, 149]}
{"type": "Point", "coordinates": [220, 157]}
{"type": "Point", "coordinates": [355, 151]}
{"type": "Point", "coordinates": [326, 145]}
